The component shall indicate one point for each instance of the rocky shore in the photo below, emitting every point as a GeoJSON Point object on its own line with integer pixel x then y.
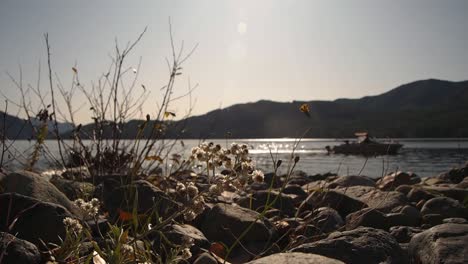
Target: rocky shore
{"type": "Point", "coordinates": [327, 218]}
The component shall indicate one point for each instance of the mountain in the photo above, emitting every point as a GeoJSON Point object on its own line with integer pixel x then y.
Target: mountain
{"type": "Point", "coordinates": [427, 108]}
{"type": "Point", "coordinates": [18, 128]}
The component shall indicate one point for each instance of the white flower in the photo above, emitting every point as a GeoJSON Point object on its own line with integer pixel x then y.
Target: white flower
{"type": "Point", "coordinates": [228, 164]}
{"type": "Point", "coordinates": [215, 189]}
{"type": "Point", "coordinates": [199, 205]}
{"type": "Point", "coordinates": [192, 190]}
{"type": "Point", "coordinates": [180, 187]}
{"type": "Point", "coordinates": [91, 208]}
{"type": "Point", "coordinates": [72, 225]}
{"type": "Point", "coordinates": [127, 249]}
{"type": "Point", "coordinates": [186, 254]}
{"type": "Point", "coordinates": [189, 215]}
{"type": "Point", "coordinates": [234, 148]}
{"type": "Point", "coordinates": [258, 176]}
{"type": "Point", "coordinates": [95, 202]}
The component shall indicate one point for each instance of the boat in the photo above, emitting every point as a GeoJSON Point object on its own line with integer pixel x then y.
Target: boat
{"type": "Point", "coordinates": [366, 146]}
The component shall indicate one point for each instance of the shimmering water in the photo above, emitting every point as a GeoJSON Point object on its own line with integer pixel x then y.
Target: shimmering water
{"type": "Point", "coordinates": [425, 157]}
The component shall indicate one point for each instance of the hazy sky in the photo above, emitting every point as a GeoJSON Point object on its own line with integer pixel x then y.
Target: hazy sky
{"type": "Point", "coordinates": [248, 50]}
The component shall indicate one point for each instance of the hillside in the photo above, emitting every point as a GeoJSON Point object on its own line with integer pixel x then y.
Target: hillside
{"type": "Point", "coordinates": [427, 108]}
{"type": "Point", "coordinates": [18, 128]}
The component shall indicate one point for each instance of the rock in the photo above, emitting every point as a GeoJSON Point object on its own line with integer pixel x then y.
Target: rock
{"type": "Point", "coordinates": [334, 199]}
{"type": "Point", "coordinates": [430, 220]}
{"type": "Point", "coordinates": [392, 181]}
{"type": "Point", "coordinates": [73, 189]}
{"type": "Point", "coordinates": [403, 234]}
{"type": "Point", "coordinates": [314, 186]}
{"type": "Point", "coordinates": [257, 186]}
{"type": "Point", "coordinates": [326, 219]}
{"type": "Point", "coordinates": [33, 185]}
{"type": "Point", "coordinates": [257, 201]}
{"type": "Point", "coordinates": [367, 217]}
{"type": "Point", "coordinates": [150, 199]}
{"type": "Point", "coordinates": [273, 213]}
{"type": "Point", "coordinates": [15, 250]}
{"type": "Point", "coordinates": [205, 258]}
{"type": "Point", "coordinates": [35, 220]}
{"type": "Point", "coordinates": [225, 222]}
{"type": "Point", "coordinates": [449, 191]}
{"type": "Point", "coordinates": [407, 216]}
{"type": "Point", "coordinates": [295, 189]}
{"type": "Point", "coordinates": [375, 198]}
{"type": "Point", "coordinates": [444, 243]}
{"type": "Point", "coordinates": [361, 245]}
{"type": "Point", "coordinates": [432, 181]}
{"type": "Point", "coordinates": [178, 233]}
{"type": "Point", "coordinates": [347, 181]}
{"type": "Point", "coordinates": [463, 184]}
{"type": "Point", "coordinates": [270, 177]}
{"type": "Point", "coordinates": [417, 194]}
{"type": "Point", "coordinates": [446, 207]}
{"type": "Point", "coordinates": [299, 177]}
{"type": "Point", "coordinates": [455, 175]}
{"type": "Point", "coordinates": [295, 258]}
{"type": "Point", "coordinates": [455, 221]}
{"type": "Point", "coordinates": [404, 189]}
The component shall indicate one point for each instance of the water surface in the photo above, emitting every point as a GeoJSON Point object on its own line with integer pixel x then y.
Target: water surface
{"type": "Point", "coordinates": [425, 157]}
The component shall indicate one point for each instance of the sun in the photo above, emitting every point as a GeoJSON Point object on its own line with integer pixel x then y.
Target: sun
{"type": "Point", "coordinates": [241, 28]}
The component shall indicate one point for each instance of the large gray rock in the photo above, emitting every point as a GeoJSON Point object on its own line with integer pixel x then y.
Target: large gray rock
{"type": "Point", "coordinates": [333, 199]}
{"type": "Point", "coordinates": [392, 181]}
{"type": "Point", "coordinates": [73, 189]}
{"type": "Point", "coordinates": [295, 189]}
{"type": "Point", "coordinates": [418, 193]}
{"type": "Point", "coordinates": [353, 180]}
{"type": "Point", "coordinates": [449, 191]}
{"type": "Point", "coordinates": [225, 223]}
{"type": "Point", "coordinates": [444, 206]}
{"type": "Point", "coordinates": [463, 184]}
{"type": "Point", "coordinates": [258, 200]}
{"type": "Point", "coordinates": [446, 243]}
{"type": "Point", "coordinates": [375, 198]}
{"type": "Point", "coordinates": [179, 233]}
{"type": "Point", "coordinates": [455, 175]}
{"type": "Point", "coordinates": [15, 250]}
{"type": "Point", "coordinates": [295, 258]}
{"type": "Point", "coordinates": [404, 216]}
{"type": "Point", "coordinates": [367, 217]}
{"type": "Point", "coordinates": [35, 186]}
{"type": "Point", "coordinates": [31, 219]}
{"type": "Point", "coordinates": [370, 217]}
{"type": "Point", "coordinates": [361, 245]}
{"type": "Point", "coordinates": [403, 234]}
{"type": "Point", "coordinates": [325, 219]}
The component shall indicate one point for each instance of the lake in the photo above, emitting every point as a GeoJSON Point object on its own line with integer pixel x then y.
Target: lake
{"type": "Point", "coordinates": [425, 157]}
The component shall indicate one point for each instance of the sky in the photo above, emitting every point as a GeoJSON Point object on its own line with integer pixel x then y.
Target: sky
{"type": "Point", "coordinates": [247, 50]}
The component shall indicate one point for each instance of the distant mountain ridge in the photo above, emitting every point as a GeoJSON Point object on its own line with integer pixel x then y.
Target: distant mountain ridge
{"type": "Point", "coordinates": [18, 128]}
{"type": "Point", "coordinates": [426, 108]}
